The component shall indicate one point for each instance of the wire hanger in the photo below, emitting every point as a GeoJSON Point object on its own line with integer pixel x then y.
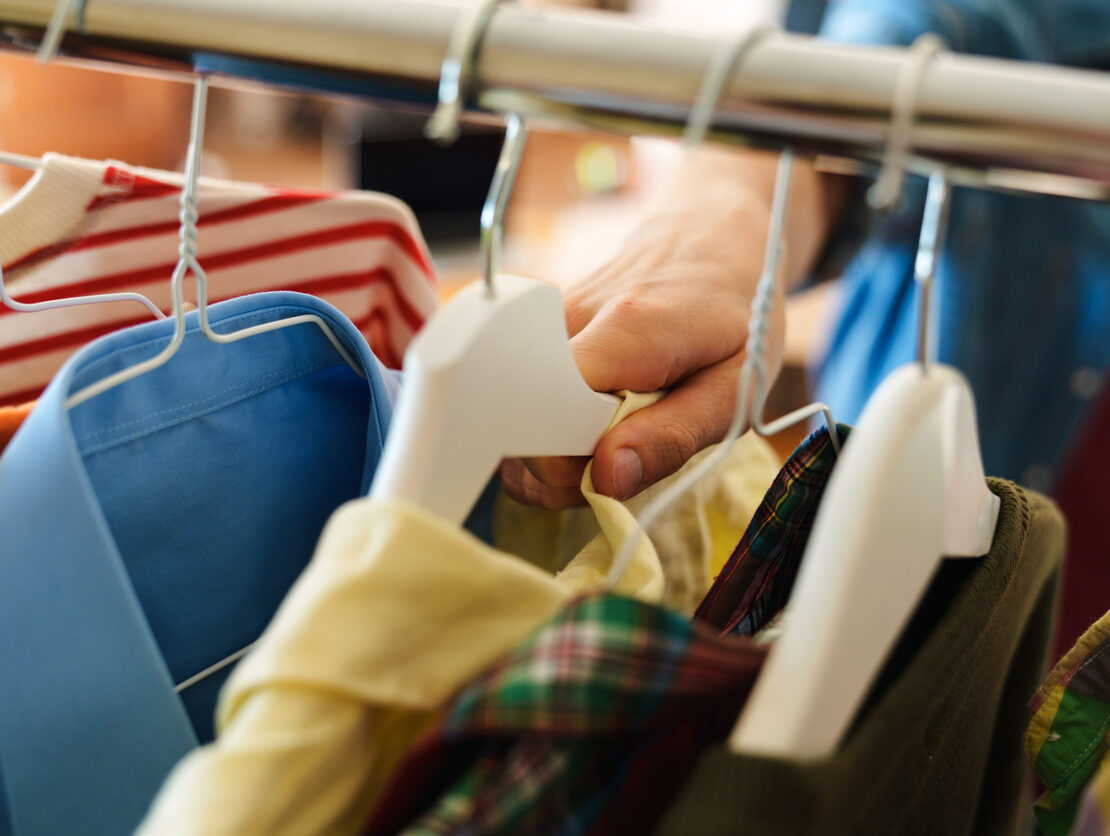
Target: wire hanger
{"type": "Point", "coordinates": [886, 192]}
{"type": "Point", "coordinates": [186, 259]}
{"type": "Point", "coordinates": [47, 50]}
{"type": "Point", "coordinates": [457, 70]}
{"type": "Point", "coordinates": [749, 408]}
{"type": "Point", "coordinates": [56, 27]}
{"type": "Point", "coordinates": [92, 299]}
{"type": "Point", "coordinates": [187, 262]}
{"type": "Point", "coordinates": [908, 490]}
{"type": "Point", "coordinates": [23, 161]}
{"type": "Point", "coordinates": [491, 375]}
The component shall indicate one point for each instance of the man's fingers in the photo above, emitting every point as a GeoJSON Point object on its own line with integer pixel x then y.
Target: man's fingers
{"type": "Point", "coordinates": [521, 485]}
{"type": "Point", "coordinates": [648, 344]}
{"type": "Point", "coordinates": [579, 307]}
{"type": "Point", "coordinates": [558, 471]}
{"type": "Point", "coordinates": [657, 441]}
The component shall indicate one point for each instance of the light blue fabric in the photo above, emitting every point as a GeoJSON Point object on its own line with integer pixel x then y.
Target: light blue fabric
{"type": "Point", "coordinates": [1023, 287]}
{"type": "Point", "coordinates": [151, 532]}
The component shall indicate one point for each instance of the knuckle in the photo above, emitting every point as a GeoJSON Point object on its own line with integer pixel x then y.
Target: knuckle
{"type": "Point", "coordinates": [678, 442]}
{"type": "Point", "coordinates": [628, 314]}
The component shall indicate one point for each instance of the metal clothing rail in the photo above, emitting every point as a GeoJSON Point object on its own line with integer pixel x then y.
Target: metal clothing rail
{"type": "Point", "coordinates": [993, 123]}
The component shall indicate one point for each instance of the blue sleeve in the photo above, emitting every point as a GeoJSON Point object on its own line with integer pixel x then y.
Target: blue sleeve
{"type": "Point", "coordinates": [1075, 32]}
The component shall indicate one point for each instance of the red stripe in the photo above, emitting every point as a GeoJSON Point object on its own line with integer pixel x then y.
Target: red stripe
{"type": "Point", "coordinates": [272, 203]}
{"type": "Point", "coordinates": [380, 275]}
{"type": "Point", "coordinates": [384, 352]}
{"type": "Point", "coordinates": [352, 232]}
{"type": "Point", "coordinates": [128, 185]}
{"type": "Point", "coordinates": [74, 339]}
{"type": "Point", "coordinates": [289, 191]}
{"type": "Point", "coordinates": [66, 339]}
{"type": "Point", "coordinates": [21, 397]}
{"type": "Point", "coordinates": [234, 258]}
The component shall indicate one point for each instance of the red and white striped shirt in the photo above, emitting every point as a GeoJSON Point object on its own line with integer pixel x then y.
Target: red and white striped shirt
{"type": "Point", "coordinates": [81, 227]}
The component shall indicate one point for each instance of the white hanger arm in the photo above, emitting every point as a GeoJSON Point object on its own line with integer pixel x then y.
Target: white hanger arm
{"type": "Point", "coordinates": [486, 378]}
{"type": "Point", "coordinates": [908, 488]}
{"type": "Point", "coordinates": [491, 375]}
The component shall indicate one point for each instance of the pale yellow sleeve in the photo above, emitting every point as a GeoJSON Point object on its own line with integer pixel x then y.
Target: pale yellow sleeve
{"type": "Point", "coordinates": [396, 611]}
{"type": "Point", "coordinates": [689, 542]}
{"type": "Point", "coordinates": [643, 578]}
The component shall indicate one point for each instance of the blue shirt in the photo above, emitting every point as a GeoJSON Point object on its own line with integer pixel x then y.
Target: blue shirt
{"type": "Point", "coordinates": [1023, 286]}
{"type": "Point", "coordinates": [151, 532]}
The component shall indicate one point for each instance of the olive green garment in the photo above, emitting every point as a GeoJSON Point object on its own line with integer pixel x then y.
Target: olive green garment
{"type": "Point", "coordinates": [938, 747]}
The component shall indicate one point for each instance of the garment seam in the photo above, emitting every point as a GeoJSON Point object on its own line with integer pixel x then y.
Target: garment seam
{"type": "Point", "coordinates": [188, 412]}
{"type": "Point", "coordinates": [247, 319]}
{"type": "Point", "coordinates": [1070, 769]}
{"type": "Point", "coordinates": [1092, 744]}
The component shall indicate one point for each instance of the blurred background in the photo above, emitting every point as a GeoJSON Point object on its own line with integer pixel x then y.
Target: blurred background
{"type": "Point", "coordinates": [576, 196]}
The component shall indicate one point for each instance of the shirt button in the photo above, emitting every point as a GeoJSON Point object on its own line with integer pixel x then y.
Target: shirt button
{"type": "Point", "coordinates": [1037, 478]}
{"type": "Point", "coordinates": [1085, 383]}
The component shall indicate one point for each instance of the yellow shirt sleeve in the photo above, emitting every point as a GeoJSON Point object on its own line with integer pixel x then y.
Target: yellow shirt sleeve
{"type": "Point", "coordinates": [689, 542]}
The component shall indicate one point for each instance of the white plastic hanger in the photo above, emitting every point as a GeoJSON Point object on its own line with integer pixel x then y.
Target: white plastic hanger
{"type": "Point", "coordinates": [490, 375]}
{"type": "Point", "coordinates": [187, 262]}
{"type": "Point", "coordinates": [908, 489]}
{"type": "Point", "coordinates": [749, 401]}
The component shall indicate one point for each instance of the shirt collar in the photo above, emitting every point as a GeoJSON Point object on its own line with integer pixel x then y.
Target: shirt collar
{"type": "Point", "coordinates": [71, 623]}
{"type": "Point", "coordinates": [757, 579]}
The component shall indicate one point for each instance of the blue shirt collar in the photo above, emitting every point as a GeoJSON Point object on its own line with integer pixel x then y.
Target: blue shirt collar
{"type": "Point", "coordinates": [91, 723]}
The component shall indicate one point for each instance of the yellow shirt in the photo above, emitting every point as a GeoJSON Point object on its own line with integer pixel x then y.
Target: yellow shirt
{"type": "Point", "coordinates": [693, 537]}
{"type": "Point", "coordinates": [396, 611]}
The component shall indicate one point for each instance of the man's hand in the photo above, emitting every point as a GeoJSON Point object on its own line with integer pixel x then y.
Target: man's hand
{"type": "Point", "coordinates": [671, 312]}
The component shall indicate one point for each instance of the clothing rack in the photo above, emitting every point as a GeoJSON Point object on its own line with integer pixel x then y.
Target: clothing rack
{"type": "Point", "coordinates": [993, 123]}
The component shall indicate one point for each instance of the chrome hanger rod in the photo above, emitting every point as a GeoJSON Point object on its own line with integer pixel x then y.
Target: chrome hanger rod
{"type": "Point", "coordinates": [988, 121]}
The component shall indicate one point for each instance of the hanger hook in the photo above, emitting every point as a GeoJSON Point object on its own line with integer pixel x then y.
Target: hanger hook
{"type": "Point", "coordinates": [934, 222]}
{"type": "Point", "coordinates": [188, 214]}
{"type": "Point", "coordinates": [887, 189]}
{"type": "Point", "coordinates": [493, 210]}
{"type": "Point", "coordinates": [721, 68]}
{"type": "Point", "coordinates": [715, 79]}
{"type": "Point", "coordinates": [749, 402]}
{"type": "Point", "coordinates": [709, 93]}
{"type": "Point", "coordinates": [56, 28]}
{"type": "Point", "coordinates": [459, 67]}
{"type": "Point", "coordinates": [186, 260]}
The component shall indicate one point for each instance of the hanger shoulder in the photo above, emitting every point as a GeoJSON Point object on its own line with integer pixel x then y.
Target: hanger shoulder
{"type": "Point", "coordinates": [908, 489]}
{"type": "Point", "coordinates": [487, 378]}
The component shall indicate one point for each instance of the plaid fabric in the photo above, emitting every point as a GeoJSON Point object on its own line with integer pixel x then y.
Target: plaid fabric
{"type": "Point", "coordinates": [590, 725]}
{"type": "Point", "coordinates": [1066, 739]}
{"type": "Point", "coordinates": [552, 737]}
{"type": "Point", "coordinates": [756, 580]}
